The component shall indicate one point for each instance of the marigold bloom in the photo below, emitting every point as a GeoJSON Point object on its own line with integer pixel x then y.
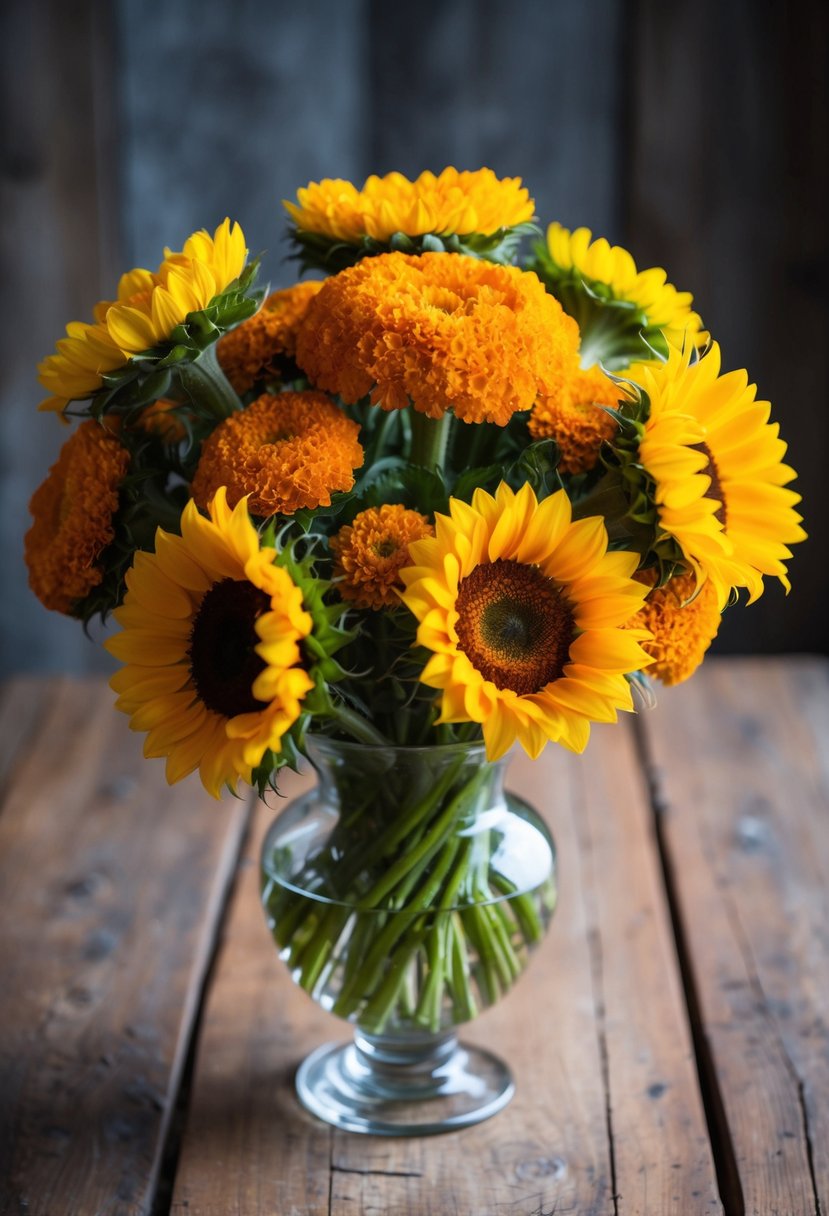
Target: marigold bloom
{"type": "Point", "coordinates": [576, 420]}
{"type": "Point", "coordinates": [147, 309]}
{"type": "Point", "coordinates": [523, 611]}
{"type": "Point", "coordinates": [371, 552]}
{"type": "Point", "coordinates": [255, 351]}
{"type": "Point", "coordinates": [284, 450]}
{"type": "Point", "coordinates": [161, 418]}
{"type": "Point", "coordinates": [716, 464]}
{"type": "Point", "coordinates": [453, 202]}
{"type": "Point", "coordinates": [683, 622]}
{"type": "Point", "coordinates": [438, 331]}
{"type": "Point", "coordinates": [210, 633]}
{"type": "Point", "coordinates": [73, 512]}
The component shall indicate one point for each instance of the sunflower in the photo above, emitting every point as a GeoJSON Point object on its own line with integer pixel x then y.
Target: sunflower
{"type": "Point", "coordinates": [147, 310]}
{"type": "Point", "coordinates": [210, 635]}
{"type": "Point", "coordinates": [621, 310]}
{"type": "Point", "coordinates": [258, 350]}
{"type": "Point", "coordinates": [371, 552]}
{"type": "Point", "coordinates": [284, 450]}
{"type": "Point", "coordinates": [523, 610]}
{"type": "Point", "coordinates": [438, 331]}
{"type": "Point", "coordinates": [73, 513]}
{"type": "Point", "coordinates": [476, 210]}
{"type": "Point", "coordinates": [683, 621]}
{"type": "Point", "coordinates": [715, 462]}
{"type": "Point", "coordinates": [576, 420]}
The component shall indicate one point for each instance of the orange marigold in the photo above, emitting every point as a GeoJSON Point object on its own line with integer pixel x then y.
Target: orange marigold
{"type": "Point", "coordinates": [439, 331]}
{"type": "Point", "coordinates": [73, 513]}
{"type": "Point", "coordinates": [161, 419]}
{"type": "Point", "coordinates": [371, 552]}
{"type": "Point", "coordinates": [254, 352]}
{"type": "Point", "coordinates": [683, 625]}
{"type": "Point", "coordinates": [575, 419]}
{"type": "Point", "coordinates": [286, 450]}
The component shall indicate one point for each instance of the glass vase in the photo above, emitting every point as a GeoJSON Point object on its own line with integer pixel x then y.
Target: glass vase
{"type": "Point", "coordinates": [406, 893]}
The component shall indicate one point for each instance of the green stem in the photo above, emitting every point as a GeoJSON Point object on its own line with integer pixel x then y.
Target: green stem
{"type": "Point", "coordinates": [206, 385]}
{"type": "Point", "coordinates": [358, 727]}
{"type": "Point", "coordinates": [429, 439]}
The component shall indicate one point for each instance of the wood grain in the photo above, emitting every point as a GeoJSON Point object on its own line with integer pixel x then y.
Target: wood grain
{"type": "Point", "coordinates": [595, 1033]}
{"type": "Point", "coordinates": [742, 774]}
{"type": "Point", "coordinates": [111, 887]}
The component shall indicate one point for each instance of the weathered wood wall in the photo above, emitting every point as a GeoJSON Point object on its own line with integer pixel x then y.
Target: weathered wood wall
{"type": "Point", "coordinates": [697, 138]}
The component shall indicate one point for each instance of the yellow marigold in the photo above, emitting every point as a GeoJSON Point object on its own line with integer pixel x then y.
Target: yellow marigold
{"type": "Point", "coordinates": [162, 420]}
{"type": "Point", "coordinates": [576, 420]}
{"type": "Point", "coordinates": [453, 202]}
{"type": "Point", "coordinates": [285, 450]}
{"type": "Point", "coordinates": [148, 308]}
{"type": "Point", "coordinates": [683, 625]}
{"type": "Point", "coordinates": [253, 352]}
{"type": "Point", "coordinates": [438, 331]}
{"type": "Point", "coordinates": [73, 515]}
{"type": "Point", "coordinates": [371, 552]}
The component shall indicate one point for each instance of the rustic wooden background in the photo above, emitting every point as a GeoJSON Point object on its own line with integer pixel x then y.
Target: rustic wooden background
{"type": "Point", "coordinates": [695, 135]}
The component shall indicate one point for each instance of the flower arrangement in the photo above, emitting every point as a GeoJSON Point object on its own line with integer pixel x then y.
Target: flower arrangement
{"type": "Point", "coordinates": [455, 490]}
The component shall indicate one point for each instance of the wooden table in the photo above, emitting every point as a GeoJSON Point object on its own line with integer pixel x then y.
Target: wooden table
{"type": "Point", "coordinates": [670, 1041]}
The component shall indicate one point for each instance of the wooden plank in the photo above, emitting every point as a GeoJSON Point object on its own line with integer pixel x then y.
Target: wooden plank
{"type": "Point", "coordinates": [601, 1003]}
{"type": "Point", "coordinates": [111, 888]}
{"type": "Point", "coordinates": [59, 253]}
{"type": "Point", "coordinates": [742, 776]}
{"type": "Point", "coordinates": [247, 143]}
{"type": "Point", "coordinates": [248, 1145]}
{"type": "Point", "coordinates": [23, 703]}
{"type": "Point", "coordinates": [662, 1153]}
{"type": "Point", "coordinates": [475, 87]}
{"type": "Point", "coordinates": [726, 173]}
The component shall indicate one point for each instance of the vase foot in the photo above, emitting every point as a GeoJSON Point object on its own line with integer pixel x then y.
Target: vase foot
{"type": "Point", "coordinates": [420, 1087]}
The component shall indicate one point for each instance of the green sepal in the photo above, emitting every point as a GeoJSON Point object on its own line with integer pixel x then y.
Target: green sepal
{"type": "Point", "coordinates": [151, 373]}
{"type": "Point", "coordinates": [314, 251]}
{"type": "Point", "coordinates": [538, 466]}
{"type": "Point", "coordinates": [328, 634]}
{"type": "Point", "coordinates": [614, 332]}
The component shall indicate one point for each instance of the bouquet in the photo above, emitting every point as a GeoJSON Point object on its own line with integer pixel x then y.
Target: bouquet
{"type": "Point", "coordinates": [474, 483]}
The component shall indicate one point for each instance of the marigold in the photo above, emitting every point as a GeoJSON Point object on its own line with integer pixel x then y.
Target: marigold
{"type": "Point", "coordinates": [438, 331]}
{"type": "Point", "coordinates": [523, 610]}
{"type": "Point", "coordinates": [372, 550]}
{"type": "Point", "coordinates": [73, 512]}
{"type": "Point", "coordinates": [453, 202]}
{"type": "Point", "coordinates": [147, 309]}
{"type": "Point", "coordinates": [683, 621]}
{"type": "Point", "coordinates": [576, 420]}
{"type": "Point", "coordinates": [162, 419]}
{"type": "Point", "coordinates": [210, 633]}
{"type": "Point", "coordinates": [256, 351]}
{"type": "Point", "coordinates": [284, 450]}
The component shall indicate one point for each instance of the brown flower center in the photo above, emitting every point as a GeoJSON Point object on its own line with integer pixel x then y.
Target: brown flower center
{"type": "Point", "coordinates": [386, 547]}
{"type": "Point", "coordinates": [223, 659]}
{"type": "Point", "coordinates": [715, 489]}
{"type": "Point", "coordinates": [514, 625]}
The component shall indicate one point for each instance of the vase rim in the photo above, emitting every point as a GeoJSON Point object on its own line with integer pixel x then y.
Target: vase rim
{"type": "Point", "coordinates": [467, 746]}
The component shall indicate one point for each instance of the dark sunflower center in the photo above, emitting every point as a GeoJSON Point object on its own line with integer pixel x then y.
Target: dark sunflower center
{"type": "Point", "coordinates": [514, 625]}
{"type": "Point", "coordinates": [715, 490]}
{"type": "Point", "coordinates": [223, 659]}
